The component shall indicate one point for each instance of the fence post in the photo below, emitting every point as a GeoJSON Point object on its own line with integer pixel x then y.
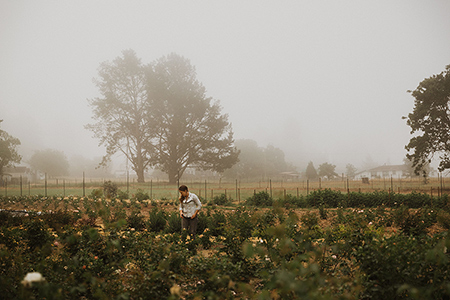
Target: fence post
{"type": "Point", "coordinates": [20, 185]}
{"type": "Point", "coordinates": [45, 185]}
{"type": "Point", "coordinates": [270, 188]}
{"type": "Point", "coordinates": [128, 181]}
{"type": "Point", "coordinates": [307, 187]}
{"type": "Point", "coordinates": [84, 185]}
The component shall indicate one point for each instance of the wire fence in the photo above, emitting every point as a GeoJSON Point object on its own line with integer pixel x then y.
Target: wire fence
{"type": "Point", "coordinates": [208, 188]}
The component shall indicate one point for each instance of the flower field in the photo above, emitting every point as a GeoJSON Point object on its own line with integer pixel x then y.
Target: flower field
{"type": "Point", "coordinates": [326, 245]}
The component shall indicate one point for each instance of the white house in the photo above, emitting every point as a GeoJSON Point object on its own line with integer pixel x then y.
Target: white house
{"type": "Point", "coordinates": [385, 171]}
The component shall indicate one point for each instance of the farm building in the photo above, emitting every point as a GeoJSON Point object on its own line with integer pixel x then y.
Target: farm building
{"type": "Point", "coordinates": [384, 171]}
{"type": "Point", "coordinates": [14, 174]}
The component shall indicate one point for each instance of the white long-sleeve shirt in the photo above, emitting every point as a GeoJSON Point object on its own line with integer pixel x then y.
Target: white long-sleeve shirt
{"type": "Point", "coordinates": [190, 205]}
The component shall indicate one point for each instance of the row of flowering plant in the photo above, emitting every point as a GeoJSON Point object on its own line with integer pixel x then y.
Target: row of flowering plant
{"type": "Point", "coordinates": [74, 248]}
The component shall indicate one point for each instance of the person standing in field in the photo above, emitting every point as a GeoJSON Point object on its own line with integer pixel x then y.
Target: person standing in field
{"type": "Point", "coordinates": [189, 207]}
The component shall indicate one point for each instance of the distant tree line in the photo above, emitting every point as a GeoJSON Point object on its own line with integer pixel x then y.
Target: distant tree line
{"type": "Point", "coordinates": [257, 162]}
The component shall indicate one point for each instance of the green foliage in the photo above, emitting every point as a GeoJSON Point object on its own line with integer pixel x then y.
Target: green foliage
{"type": "Point", "coordinates": [414, 222]}
{"type": "Point", "coordinates": [110, 189]}
{"type": "Point", "coordinates": [58, 220]}
{"type": "Point", "coordinates": [173, 223]}
{"type": "Point", "coordinates": [157, 220]}
{"type": "Point", "coordinates": [325, 197]}
{"type": "Point", "coordinates": [260, 199]}
{"type": "Point", "coordinates": [430, 121]}
{"type": "Point", "coordinates": [122, 195]}
{"type": "Point", "coordinates": [36, 234]}
{"type": "Point", "coordinates": [216, 223]}
{"type": "Point", "coordinates": [323, 213]}
{"type": "Point", "coordinates": [253, 253]}
{"type": "Point", "coordinates": [221, 200]}
{"type": "Point", "coordinates": [136, 220]}
{"type": "Point", "coordinates": [140, 195]}
{"type": "Point", "coordinates": [96, 193]}
{"type": "Point", "coordinates": [394, 265]}
{"type": "Point", "coordinates": [443, 218]}
{"type": "Point", "coordinates": [327, 170]}
{"type": "Point", "coordinates": [309, 219]}
{"type": "Point", "coordinates": [293, 201]}
{"type": "Point", "coordinates": [8, 150]}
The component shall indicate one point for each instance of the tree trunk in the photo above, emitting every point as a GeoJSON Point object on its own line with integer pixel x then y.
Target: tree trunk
{"type": "Point", "coordinates": [140, 175]}
{"type": "Point", "coordinates": [173, 176]}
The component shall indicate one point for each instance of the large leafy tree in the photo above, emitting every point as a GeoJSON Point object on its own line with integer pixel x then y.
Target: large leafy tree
{"type": "Point", "coordinates": [311, 172]}
{"type": "Point", "coordinates": [8, 150]}
{"type": "Point", "coordinates": [121, 114]}
{"type": "Point", "coordinates": [251, 161]}
{"type": "Point", "coordinates": [430, 122]}
{"type": "Point", "coordinates": [350, 170]}
{"type": "Point", "coordinates": [327, 170]}
{"type": "Point", "coordinates": [50, 161]}
{"type": "Point", "coordinates": [191, 131]}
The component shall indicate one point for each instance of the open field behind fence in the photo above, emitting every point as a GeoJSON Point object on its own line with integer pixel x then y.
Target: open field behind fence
{"type": "Point", "coordinates": [237, 190]}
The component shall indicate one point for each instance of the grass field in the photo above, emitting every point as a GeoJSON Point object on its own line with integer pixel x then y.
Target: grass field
{"type": "Point", "coordinates": [237, 190]}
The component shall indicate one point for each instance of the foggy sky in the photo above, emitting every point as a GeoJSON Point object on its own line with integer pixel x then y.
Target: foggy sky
{"type": "Point", "coordinates": [324, 81]}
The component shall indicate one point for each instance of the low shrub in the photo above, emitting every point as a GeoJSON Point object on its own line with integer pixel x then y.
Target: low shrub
{"type": "Point", "coordinates": [122, 195]}
{"type": "Point", "coordinates": [96, 193]}
{"type": "Point", "coordinates": [222, 200]}
{"type": "Point", "coordinates": [110, 189]}
{"type": "Point", "coordinates": [157, 220]}
{"type": "Point", "coordinates": [260, 199]}
{"type": "Point", "coordinates": [36, 234]}
{"type": "Point", "coordinates": [136, 220]}
{"type": "Point", "coordinates": [309, 219]}
{"type": "Point", "coordinates": [173, 223]}
{"type": "Point", "coordinates": [413, 222]}
{"type": "Point", "coordinates": [140, 195]}
{"type": "Point", "coordinates": [59, 219]}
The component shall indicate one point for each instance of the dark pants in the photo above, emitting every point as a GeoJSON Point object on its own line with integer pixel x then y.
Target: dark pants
{"type": "Point", "coordinates": [191, 224]}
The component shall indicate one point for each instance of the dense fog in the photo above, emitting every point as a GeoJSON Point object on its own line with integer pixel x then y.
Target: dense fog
{"type": "Point", "coordinates": [324, 81]}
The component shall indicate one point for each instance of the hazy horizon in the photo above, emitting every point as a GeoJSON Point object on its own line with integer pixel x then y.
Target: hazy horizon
{"type": "Point", "coordinates": [325, 81]}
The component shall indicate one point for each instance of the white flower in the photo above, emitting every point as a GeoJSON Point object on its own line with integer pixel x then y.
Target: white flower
{"type": "Point", "coordinates": [175, 290]}
{"type": "Point", "coordinates": [32, 277]}
{"type": "Point", "coordinates": [370, 223]}
{"type": "Point", "coordinates": [333, 256]}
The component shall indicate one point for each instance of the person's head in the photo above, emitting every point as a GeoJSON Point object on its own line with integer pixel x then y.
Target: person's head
{"type": "Point", "coordinates": [184, 191]}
